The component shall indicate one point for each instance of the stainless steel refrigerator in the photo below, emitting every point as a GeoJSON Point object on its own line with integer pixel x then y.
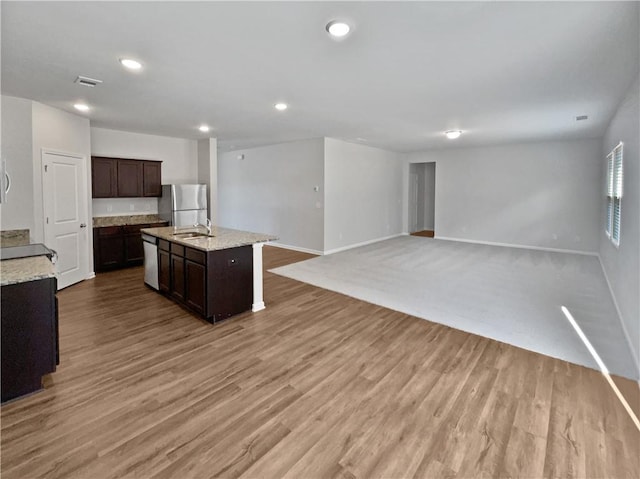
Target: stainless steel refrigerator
{"type": "Point", "coordinates": [183, 205]}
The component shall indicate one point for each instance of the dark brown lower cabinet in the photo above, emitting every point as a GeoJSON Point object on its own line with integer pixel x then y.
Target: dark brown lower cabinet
{"type": "Point", "coordinates": [164, 270]}
{"type": "Point", "coordinates": [177, 277]}
{"type": "Point", "coordinates": [29, 336]}
{"type": "Point", "coordinates": [116, 247]}
{"type": "Point", "coordinates": [133, 245]}
{"type": "Point", "coordinates": [213, 284]}
{"type": "Point", "coordinates": [196, 280]}
{"type": "Point", "coordinates": [108, 248]}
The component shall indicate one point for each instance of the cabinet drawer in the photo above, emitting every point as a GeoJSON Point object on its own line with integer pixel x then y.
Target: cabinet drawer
{"type": "Point", "coordinates": [134, 228]}
{"type": "Point", "coordinates": [177, 249]}
{"type": "Point", "coordinates": [163, 244]}
{"type": "Point", "coordinates": [195, 255]}
{"type": "Point", "coordinates": [109, 230]}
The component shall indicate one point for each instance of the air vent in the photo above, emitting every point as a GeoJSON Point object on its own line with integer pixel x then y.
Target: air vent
{"type": "Point", "coordinates": [86, 81]}
{"type": "Point", "coordinates": [582, 117]}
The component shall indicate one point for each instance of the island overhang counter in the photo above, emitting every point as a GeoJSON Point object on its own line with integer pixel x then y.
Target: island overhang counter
{"type": "Point", "coordinates": [215, 274]}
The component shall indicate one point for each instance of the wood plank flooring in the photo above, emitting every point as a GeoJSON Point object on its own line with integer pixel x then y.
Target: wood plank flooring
{"type": "Point", "coordinates": [424, 233]}
{"type": "Point", "coordinates": [318, 385]}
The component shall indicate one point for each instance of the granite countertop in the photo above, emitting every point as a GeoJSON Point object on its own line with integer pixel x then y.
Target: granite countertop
{"type": "Point", "coordinates": [102, 221]}
{"type": "Point", "coordinates": [222, 238]}
{"type": "Point", "coordinates": [21, 270]}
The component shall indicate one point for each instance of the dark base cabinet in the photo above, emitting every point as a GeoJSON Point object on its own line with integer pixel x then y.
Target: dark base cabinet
{"type": "Point", "coordinates": [29, 336]}
{"type": "Point", "coordinates": [117, 247]}
{"type": "Point", "coordinates": [213, 284]}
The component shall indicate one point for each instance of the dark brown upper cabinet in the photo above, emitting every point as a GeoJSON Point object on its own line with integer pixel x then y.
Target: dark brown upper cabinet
{"type": "Point", "coordinates": [151, 178]}
{"type": "Point", "coordinates": [129, 178]}
{"type": "Point", "coordinates": [103, 177]}
{"type": "Point", "coordinates": [125, 178]}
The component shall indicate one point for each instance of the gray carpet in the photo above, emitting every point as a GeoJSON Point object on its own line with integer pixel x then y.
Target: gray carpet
{"type": "Point", "coordinates": [508, 294]}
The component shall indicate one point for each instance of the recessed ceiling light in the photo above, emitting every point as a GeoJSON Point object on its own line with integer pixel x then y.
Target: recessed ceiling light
{"type": "Point", "coordinates": [131, 64]}
{"type": "Point", "coordinates": [204, 128]}
{"type": "Point", "coordinates": [337, 29]}
{"type": "Point", "coordinates": [281, 106]}
{"type": "Point", "coordinates": [453, 134]}
{"type": "Point", "coordinates": [81, 107]}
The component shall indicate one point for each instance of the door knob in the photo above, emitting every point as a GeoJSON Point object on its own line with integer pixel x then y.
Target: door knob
{"type": "Point", "coordinates": [82, 225]}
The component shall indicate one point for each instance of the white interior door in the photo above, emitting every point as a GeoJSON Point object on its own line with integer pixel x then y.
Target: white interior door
{"type": "Point", "coordinates": [65, 214]}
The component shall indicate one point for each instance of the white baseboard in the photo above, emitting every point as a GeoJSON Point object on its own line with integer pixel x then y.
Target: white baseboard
{"type": "Point", "coordinates": [258, 307]}
{"type": "Point", "coordinates": [364, 243]}
{"type": "Point", "coordinates": [634, 353]}
{"type": "Point", "coordinates": [91, 275]}
{"type": "Point", "coordinates": [510, 245]}
{"type": "Point", "coordinates": [295, 248]}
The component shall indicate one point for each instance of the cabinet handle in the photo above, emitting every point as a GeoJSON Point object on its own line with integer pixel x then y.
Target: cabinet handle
{"type": "Point", "coordinates": [82, 225]}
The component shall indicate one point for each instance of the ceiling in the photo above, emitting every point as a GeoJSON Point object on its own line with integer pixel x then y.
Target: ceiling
{"type": "Point", "coordinates": [500, 71]}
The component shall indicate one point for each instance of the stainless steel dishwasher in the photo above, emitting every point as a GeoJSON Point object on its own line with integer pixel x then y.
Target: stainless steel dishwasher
{"type": "Point", "coordinates": [150, 244]}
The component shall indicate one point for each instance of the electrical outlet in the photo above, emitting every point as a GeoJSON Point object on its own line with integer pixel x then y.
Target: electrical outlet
{"type": "Point", "coordinates": [132, 207]}
{"type": "Point", "coordinates": [109, 208]}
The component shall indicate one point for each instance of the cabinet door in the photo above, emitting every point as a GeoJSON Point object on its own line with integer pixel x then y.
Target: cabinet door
{"type": "Point", "coordinates": [164, 271]}
{"type": "Point", "coordinates": [103, 177]}
{"type": "Point", "coordinates": [133, 250]}
{"type": "Point", "coordinates": [151, 178]}
{"type": "Point", "coordinates": [109, 247]}
{"type": "Point", "coordinates": [177, 277]}
{"type": "Point", "coordinates": [28, 326]}
{"type": "Point", "coordinates": [133, 246]}
{"type": "Point", "coordinates": [129, 178]}
{"type": "Point", "coordinates": [230, 281]}
{"type": "Point", "coordinates": [196, 287]}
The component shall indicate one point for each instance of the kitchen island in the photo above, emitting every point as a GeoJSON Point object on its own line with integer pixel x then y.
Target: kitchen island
{"type": "Point", "coordinates": [215, 274]}
{"type": "Point", "coordinates": [29, 320]}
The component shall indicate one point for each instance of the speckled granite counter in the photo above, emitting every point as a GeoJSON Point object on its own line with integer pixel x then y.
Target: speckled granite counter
{"type": "Point", "coordinates": [21, 270]}
{"type": "Point", "coordinates": [14, 238]}
{"type": "Point", "coordinates": [222, 238]}
{"type": "Point", "coordinates": [101, 221]}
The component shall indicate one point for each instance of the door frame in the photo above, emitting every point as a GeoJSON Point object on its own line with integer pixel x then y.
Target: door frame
{"type": "Point", "coordinates": [413, 201]}
{"type": "Point", "coordinates": [408, 191]}
{"type": "Point", "coordinates": [82, 198]}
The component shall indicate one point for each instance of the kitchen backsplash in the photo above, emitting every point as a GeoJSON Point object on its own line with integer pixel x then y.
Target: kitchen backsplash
{"type": "Point", "coordinates": [14, 237]}
{"type": "Point", "coordinates": [124, 206]}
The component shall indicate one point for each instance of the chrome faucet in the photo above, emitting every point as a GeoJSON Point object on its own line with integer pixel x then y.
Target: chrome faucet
{"type": "Point", "coordinates": [208, 226]}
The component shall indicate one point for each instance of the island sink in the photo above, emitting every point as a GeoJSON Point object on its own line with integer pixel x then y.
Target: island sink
{"type": "Point", "coordinates": [191, 235]}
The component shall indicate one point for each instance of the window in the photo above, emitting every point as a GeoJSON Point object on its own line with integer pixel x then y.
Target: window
{"type": "Point", "coordinates": [614, 193]}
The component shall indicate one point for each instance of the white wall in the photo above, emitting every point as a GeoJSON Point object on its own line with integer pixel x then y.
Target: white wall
{"type": "Point", "coordinates": [17, 150]}
{"type": "Point", "coordinates": [179, 164]}
{"type": "Point", "coordinates": [622, 264]}
{"type": "Point", "coordinates": [363, 194]}
{"type": "Point", "coordinates": [271, 191]}
{"type": "Point", "coordinates": [535, 194]}
{"type": "Point", "coordinates": [208, 173]}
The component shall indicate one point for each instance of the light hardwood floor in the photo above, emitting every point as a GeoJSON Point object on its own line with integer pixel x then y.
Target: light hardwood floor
{"type": "Point", "coordinates": [316, 385]}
